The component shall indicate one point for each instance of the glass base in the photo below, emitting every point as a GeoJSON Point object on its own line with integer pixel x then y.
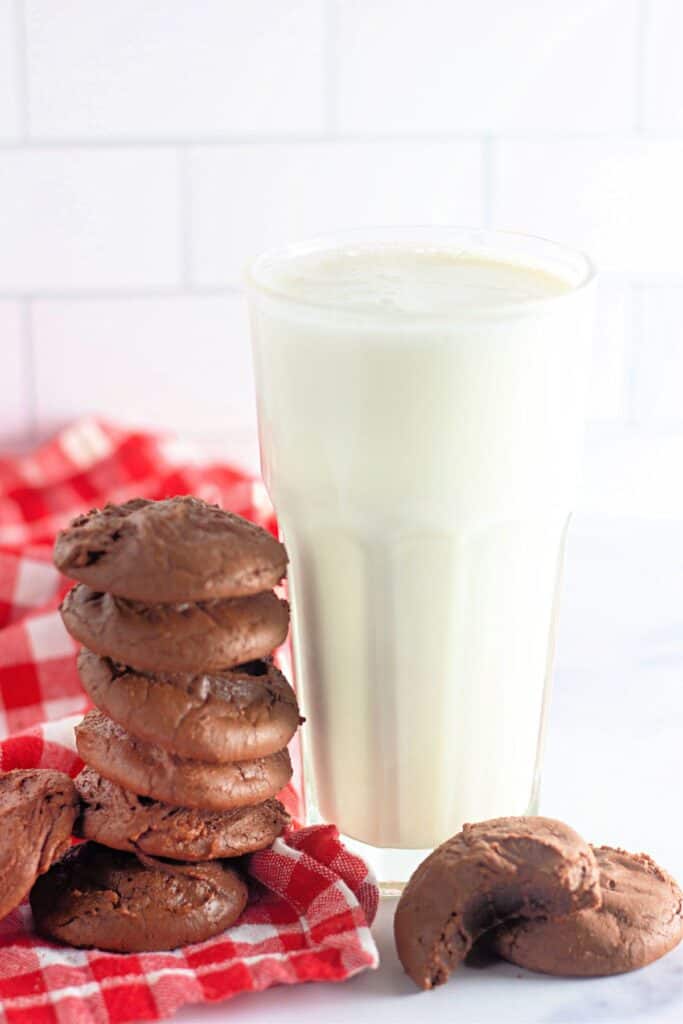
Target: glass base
{"type": "Point", "coordinates": [392, 868]}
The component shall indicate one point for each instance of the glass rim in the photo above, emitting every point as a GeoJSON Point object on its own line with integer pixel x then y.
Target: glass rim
{"type": "Point", "coordinates": [431, 236]}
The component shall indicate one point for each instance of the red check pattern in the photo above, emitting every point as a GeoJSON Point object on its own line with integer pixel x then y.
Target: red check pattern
{"type": "Point", "coordinates": [311, 900]}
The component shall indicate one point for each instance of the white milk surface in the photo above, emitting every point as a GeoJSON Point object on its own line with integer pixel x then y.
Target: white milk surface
{"type": "Point", "coordinates": [420, 418]}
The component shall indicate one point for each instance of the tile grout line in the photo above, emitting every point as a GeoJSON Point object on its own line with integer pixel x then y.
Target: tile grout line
{"type": "Point", "coordinates": [330, 58]}
{"type": "Point", "coordinates": [30, 382]}
{"type": "Point", "coordinates": [185, 216]}
{"type": "Point", "coordinates": [630, 278]}
{"type": "Point", "coordinates": [36, 143]}
{"type": "Point", "coordinates": [22, 86]}
{"type": "Point", "coordinates": [643, 14]}
{"type": "Point", "coordinates": [124, 294]}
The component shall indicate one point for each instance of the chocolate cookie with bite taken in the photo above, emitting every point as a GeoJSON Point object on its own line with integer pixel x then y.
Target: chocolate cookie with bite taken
{"type": "Point", "coordinates": [490, 872]}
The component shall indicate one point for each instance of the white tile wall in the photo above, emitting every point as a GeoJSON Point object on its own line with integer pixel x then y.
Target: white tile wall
{"type": "Point", "coordinates": [619, 199]}
{"type": "Point", "coordinates": [15, 412]}
{"type": "Point", "coordinates": [487, 67]}
{"type": "Point", "coordinates": [659, 367]}
{"type": "Point", "coordinates": [10, 110]}
{"type": "Point", "coordinates": [80, 218]}
{"type": "Point", "coordinates": [246, 197]}
{"type": "Point", "coordinates": [179, 362]}
{"type": "Point", "coordinates": [612, 346]}
{"type": "Point", "coordinates": [147, 150]}
{"type": "Point", "coordinates": [663, 73]}
{"type": "Point", "coordinates": [156, 69]}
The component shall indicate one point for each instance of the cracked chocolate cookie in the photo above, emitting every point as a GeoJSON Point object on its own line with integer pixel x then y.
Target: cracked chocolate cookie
{"type": "Point", "coordinates": [106, 899]}
{"type": "Point", "coordinates": [190, 637]}
{"type": "Point", "coordinates": [149, 771]}
{"type": "Point", "coordinates": [179, 549]}
{"type": "Point", "coordinates": [641, 919]}
{"type": "Point", "coordinates": [120, 819]}
{"type": "Point", "coordinates": [37, 812]}
{"type": "Point", "coordinates": [246, 712]}
{"type": "Point", "coordinates": [490, 872]}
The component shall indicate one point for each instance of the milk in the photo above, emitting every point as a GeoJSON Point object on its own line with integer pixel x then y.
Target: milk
{"type": "Point", "coordinates": [420, 416]}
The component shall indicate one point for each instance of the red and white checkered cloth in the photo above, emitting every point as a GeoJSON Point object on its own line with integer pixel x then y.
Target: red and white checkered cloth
{"type": "Point", "coordinates": [311, 900]}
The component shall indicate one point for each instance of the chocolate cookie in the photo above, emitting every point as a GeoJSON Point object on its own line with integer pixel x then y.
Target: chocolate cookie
{"type": "Point", "coordinates": [150, 771]}
{"type": "Point", "coordinates": [195, 638]}
{"type": "Point", "coordinates": [241, 713]}
{"type": "Point", "coordinates": [641, 919]}
{"type": "Point", "coordinates": [37, 812]}
{"type": "Point", "coordinates": [180, 549]}
{"type": "Point", "coordinates": [489, 872]}
{"type": "Point", "coordinates": [118, 818]}
{"type": "Point", "coordinates": [125, 903]}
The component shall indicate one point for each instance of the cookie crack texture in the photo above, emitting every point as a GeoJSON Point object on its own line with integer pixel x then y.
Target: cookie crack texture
{"type": "Point", "coordinates": [89, 539]}
{"type": "Point", "coordinates": [117, 818]}
{"type": "Point", "coordinates": [194, 638]}
{"type": "Point", "coordinates": [119, 901]}
{"type": "Point", "coordinates": [176, 549]}
{"type": "Point", "coordinates": [180, 722]}
{"type": "Point", "coordinates": [637, 922]}
{"type": "Point", "coordinates": [217, 717]}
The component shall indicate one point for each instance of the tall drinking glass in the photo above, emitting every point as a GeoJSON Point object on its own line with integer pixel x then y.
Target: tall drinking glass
{"type": "Point", "coordinates": [420, 399]}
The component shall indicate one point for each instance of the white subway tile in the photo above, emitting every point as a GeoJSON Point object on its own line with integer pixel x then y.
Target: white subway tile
{"type": "Point", "coordinates": [88, 219]}
{"type": "Point", "coordinates": [611, 341]}
{"type": "Point", "coordinates": [10, 114]}
{"type": "Point", "coordinates": [15, 415]}
{"type": "Point", "coordinates": [659, 360]}
{"type": "Point", "coordinates": [251, 196]}
{"type": "Point", "coordinates": [620, 200]}
{"type": "Point", "coordinates": [182, 363]}
{"type": "Point", "coordinates": [663, 68]}
{"type": "Point", "coordinates": [632, 473]}
{"type": "Point", "coordinates": [150, 70]}
{"type": "Point", "coordinates": [489, 66]}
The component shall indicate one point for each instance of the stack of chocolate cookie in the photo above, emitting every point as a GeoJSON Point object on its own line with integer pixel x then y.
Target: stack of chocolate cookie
{"type": "Point", "coordinates": [188, 746]}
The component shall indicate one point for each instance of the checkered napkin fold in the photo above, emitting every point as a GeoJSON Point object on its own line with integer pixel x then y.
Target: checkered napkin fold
{"type": "Point", "coordinates": [311, 901]}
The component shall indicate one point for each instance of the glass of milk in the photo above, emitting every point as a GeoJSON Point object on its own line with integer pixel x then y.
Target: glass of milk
{"type": "Point", "coordinates": [420, 397]}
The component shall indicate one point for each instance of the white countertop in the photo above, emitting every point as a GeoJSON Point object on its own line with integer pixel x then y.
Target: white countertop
{"type": "Point", "coordinates": [612, 771]}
